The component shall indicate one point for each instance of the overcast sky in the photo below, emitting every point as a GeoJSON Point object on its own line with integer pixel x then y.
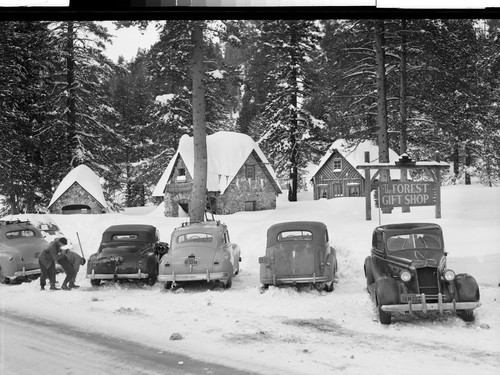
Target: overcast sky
{"type": "Point", "coordinates": [128, 40]}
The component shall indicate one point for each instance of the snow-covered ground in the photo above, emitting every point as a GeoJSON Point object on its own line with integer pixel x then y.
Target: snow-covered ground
{"type": "Point", "coordinates": [286, 330]}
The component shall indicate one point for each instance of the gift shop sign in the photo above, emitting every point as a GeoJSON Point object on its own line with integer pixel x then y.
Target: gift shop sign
{"type": "Point", "coordinates": [398, 194]}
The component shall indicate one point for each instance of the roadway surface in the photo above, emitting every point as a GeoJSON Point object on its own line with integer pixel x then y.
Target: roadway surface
{"type": "Point", "coordinates": [30, 346]}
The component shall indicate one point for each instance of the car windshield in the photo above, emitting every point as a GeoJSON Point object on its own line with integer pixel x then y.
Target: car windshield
{"type": "Point", "coordinates": [123, 247]}
{"type": "Point", "coordinates": [414, 241]}
{"type": "Point", "coordinates": [195, 237]}
{"type": "Point", "coordinates": [295, 235]}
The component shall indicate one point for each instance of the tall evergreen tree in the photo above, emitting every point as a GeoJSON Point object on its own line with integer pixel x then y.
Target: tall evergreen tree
{"type": "Point", "coordinates": [26, 64]}
{"type": "Point", "coordinates": [292, 133]}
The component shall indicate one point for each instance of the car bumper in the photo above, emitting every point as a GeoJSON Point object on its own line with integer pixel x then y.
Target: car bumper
{"type": "Point", "coordinates": [424, 306]}
{"type": "Point", "coordinates": [24, 273]}
{"type": "Point", "coordinates": [208, 276]}
{"type": "Point", "coordinates": [32, 272]}
{"type": "Point", "coordinates": [114, 276]}
{"type": "Point", "coordinates": [295, 280]}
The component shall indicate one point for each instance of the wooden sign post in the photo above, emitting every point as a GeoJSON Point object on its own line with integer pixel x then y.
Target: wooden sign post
{"type": "Point", "coordinates": [404, 193]}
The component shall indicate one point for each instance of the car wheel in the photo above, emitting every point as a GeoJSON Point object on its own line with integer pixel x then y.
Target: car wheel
{"type": "Point", "coordinates": [151, 281]}
{"type": "Point", "coordinates": [168, 285]}
{"type": "Point", "coordinates": [384, 317]}
{"type": "Point", "coordinates": [2, 277]}
{"type": "Point", "coordinates": [229, 283]}
{"type": "Point", "coordinates": [95, 282]}
{"type": "Point", "coordinates": [330, 288]}
{"type": "Point", "coordinates": [466, 315]}
{"type": "Point", "coordinates": [369, 273]}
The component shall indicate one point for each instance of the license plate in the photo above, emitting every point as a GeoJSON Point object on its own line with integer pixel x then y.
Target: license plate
{"type": "Point", "coordinates": [266, 260]}
{"type": "Point", "coordinates": [410, 298]}
{"type": "Point", "coordinates": [191, 261]}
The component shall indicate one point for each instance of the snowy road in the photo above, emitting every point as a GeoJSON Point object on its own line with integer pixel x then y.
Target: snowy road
{"type": "Point", "coordinates": [34, 346]}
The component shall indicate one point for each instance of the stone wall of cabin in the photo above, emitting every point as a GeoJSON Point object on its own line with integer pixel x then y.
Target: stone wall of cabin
{"type": "Point", "coordinates": [259, 190]}
{"type": "Point", "coordinates": [178, 191]}
{"type": "Point", "coordinates": [77, 195]}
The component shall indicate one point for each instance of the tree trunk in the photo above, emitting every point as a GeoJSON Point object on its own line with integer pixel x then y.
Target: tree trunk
{"type": "Point", "coordinates": [468, 162]}
{"type": "Point", "coordinates": [198, 194]}
{"type": "Point", "coordinates": [456, 160]}
{"type": "Point", "coordinates": [403, 136]}
{"type": "Point", "coordinates": [383, 145]}
{"type": "Point", "coordinates": [71, 101]}
{"type": "Point", "coordinates": [292, 193]}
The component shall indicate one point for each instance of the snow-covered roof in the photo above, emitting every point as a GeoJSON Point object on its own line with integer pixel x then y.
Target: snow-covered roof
{"type": "Point", "coordinates": [86, 178]}
{"type": "Point", "coordinates": [355, 155]}
{"type": "Point", "coordinates": [226, 153]}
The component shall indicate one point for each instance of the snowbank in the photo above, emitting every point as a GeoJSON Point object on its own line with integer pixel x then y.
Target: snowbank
{"type": "Point", "coordinates": [289, 330]}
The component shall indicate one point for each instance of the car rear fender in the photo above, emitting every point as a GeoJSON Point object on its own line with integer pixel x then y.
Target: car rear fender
{"type": "Point", "coordinates": [8, 266]}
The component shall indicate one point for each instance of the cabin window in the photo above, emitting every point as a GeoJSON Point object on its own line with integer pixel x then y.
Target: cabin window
{"type": "Point", "coordinates": [250, 171]}
{"type": "Point", "coordinates": [181, 174]}
{"type": "Point", "coordinates": [337, 165]}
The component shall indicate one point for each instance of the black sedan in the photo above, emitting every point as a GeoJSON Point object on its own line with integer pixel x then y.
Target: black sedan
{"type": "Point", "coordinates": [128, 252]}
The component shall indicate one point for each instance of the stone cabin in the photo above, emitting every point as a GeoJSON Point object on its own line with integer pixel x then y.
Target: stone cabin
{"type": "Point", "coordinates": [336, 174]}
{"type": "Point", "coordinates": [239, 176]}
{"type": "Point", "coordinates": [80, 192]}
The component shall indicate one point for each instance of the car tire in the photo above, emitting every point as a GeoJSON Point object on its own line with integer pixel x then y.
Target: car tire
{"type": "Point", "coordinates": [2, 276]}
{"type": "Point", "coordinates": [152, 280]}
{"type": "Point", "coordinates": [466, 315]}
{"type": "Point", "coordinates": [383, 316]}
{"type": "Point", "coordinates": [386, 293]}
{"type": "Point", "coordinates": [329, 287]}
{"type": "Point", "coordinates": [95, 282]}
{"type": "Point", "coordinates": [168, 285]}
{"type": "Point", "coordinates": [370, 279]}
{"type": "Point", "coordinates": [229, 283]}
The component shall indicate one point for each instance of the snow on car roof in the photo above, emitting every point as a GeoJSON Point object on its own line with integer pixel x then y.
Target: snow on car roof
{"type": "Point", "coordinates": [226, 154]}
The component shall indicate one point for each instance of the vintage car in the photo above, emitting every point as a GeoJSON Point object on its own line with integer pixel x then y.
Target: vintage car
{"type": "Point", "coordinates": [20, 246]}
{"type": "Point", "coordinates": [299, 252]}
{"type": "Point", "coordinates": [200, 251]}
{"type": "Point", "coordinates": [406, 272]}
{"type": "Point", "coordinates": [128, 252]}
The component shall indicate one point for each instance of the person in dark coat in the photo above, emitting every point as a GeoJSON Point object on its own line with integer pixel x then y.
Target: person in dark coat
{"type": "Point", "coordinates": [47, 261]}
{"type": "Point", "coordinates": [68, 268]}
{"type": "Point", "coordinates": [76, 260]}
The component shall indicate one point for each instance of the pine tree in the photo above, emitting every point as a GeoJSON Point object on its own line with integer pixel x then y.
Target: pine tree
{"type": "Point", "coordinates": [292, 133]}
{"type": "Point", "coordinates": [26, 113]}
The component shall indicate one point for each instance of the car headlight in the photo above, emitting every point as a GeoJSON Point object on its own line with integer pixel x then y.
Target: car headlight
{"type": "Point", "coordinates": [405, 276]}
{"type": "Point", "coordinates": [449, 275]}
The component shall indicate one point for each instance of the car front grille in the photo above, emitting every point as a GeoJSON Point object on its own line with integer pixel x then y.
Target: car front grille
{"type": "Point", "coordinates": [428, 281]}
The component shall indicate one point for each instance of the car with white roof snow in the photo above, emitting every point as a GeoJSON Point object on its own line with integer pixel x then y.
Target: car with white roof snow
{"type": "Point", "coordinates": [200, 251]}
{"type": "Point", "coordinates": [406, 272]}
